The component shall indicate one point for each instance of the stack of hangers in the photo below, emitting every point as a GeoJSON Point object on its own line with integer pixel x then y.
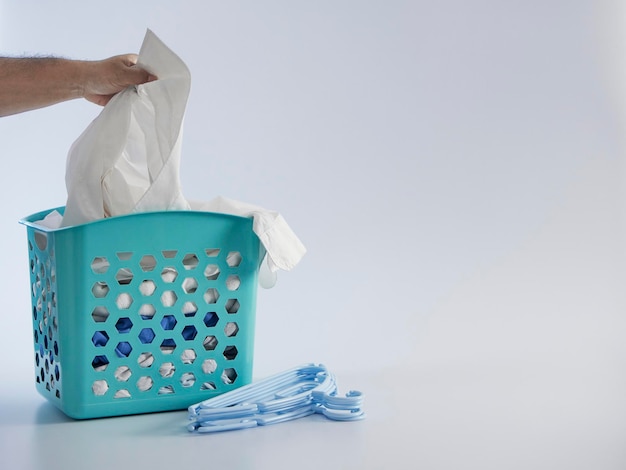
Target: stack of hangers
{"type": "Point", "coordinates": [289, 395]}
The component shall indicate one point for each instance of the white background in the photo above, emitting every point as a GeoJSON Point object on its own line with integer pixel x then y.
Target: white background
{"type": "Point", "coordinates": [456, 172]}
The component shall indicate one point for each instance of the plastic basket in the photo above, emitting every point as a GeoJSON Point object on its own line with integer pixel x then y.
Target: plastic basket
{"type": "Point", "coordinates": [142, 313]}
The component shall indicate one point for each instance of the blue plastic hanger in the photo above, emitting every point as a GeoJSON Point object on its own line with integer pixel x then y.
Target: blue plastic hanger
{"type": "Point", "coordinates": [293, 394]}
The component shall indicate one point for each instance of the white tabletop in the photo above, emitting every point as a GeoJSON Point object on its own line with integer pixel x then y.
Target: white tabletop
{"type": "Point", "coordinates": [454, 416]}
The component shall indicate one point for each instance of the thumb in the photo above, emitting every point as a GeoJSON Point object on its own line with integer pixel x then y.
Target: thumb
{"type": "Point", "coordinates": [135, 75]}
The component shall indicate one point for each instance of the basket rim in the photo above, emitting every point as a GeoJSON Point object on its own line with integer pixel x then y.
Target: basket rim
{"type": "Point", "coordinates": [30, 220]}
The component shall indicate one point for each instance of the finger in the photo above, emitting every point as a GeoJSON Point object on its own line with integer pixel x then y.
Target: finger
{"type": "Point", "coordinates": [129, 59]}
{"type": "Point", "coordinates": [136, 75]}
{"type": "Point", "coordinates": [101, 100]}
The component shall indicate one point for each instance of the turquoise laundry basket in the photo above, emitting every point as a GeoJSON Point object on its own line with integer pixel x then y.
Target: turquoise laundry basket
{"type": "Point", "coordinates": [144, 312]}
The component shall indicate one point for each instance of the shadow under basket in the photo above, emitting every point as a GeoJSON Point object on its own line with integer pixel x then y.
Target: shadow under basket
{"type": "Point", "coordinates": [144, 312]}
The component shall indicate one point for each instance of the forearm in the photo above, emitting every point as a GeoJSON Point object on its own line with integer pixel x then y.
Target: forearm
{"type": "Point", "coordinates": [31, 83]}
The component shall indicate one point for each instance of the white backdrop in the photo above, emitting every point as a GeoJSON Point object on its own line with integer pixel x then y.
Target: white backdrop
{"type": "Point", "coordinates": [454, 168]}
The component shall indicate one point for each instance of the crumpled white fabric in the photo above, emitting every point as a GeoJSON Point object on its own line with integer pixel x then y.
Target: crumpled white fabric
{"type": "Point", "coordinates": [128, 158]}
{"type": "Point", "coordinates": [283, 247]}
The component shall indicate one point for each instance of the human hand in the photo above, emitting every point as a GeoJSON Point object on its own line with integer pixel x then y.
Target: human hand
{"type": "Point", "coordinates": [105, 78]}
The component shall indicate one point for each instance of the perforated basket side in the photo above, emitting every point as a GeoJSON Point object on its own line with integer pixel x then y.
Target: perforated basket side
{"type": "Point", "coordinates": [156, 310]}
{"type": "Point", "coordinates": [45, 318]}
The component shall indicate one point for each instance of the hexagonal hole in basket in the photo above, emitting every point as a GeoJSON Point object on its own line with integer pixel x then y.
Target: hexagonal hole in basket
{"type": "Point", "coordinates": [233, 282]}
{"type": "Point", "coordinates": [147, 311]}
{"type": "Point", "coordinates": [189, 333]}
{"type": "Point", "coordinates": [124, 255]}
{"type": "Point", "coordinates": [146, 336]}
{"type": "Point", "coordinates": [211, 319]}
{"type": "Point", "coordinates": [169, 274]}
{"type": "Point", "coordinates": [124, 276]}
{"type": "Point", "coordinates": [100, 363]}
{"type": "Point", "coordinates": [145, 359]}
{"type": "Point", "coordinates": [167, 369]}
{"type": "Point", "coordinates": [166, 390]}
{"type": "Point", "coordinates": [147, 287]}
{"type": "Point", "coordinates": [123, 373]}
{"type": "Point", "coordinates": [100, 314]}
{"type": "Point", "coordinates": [231, 329]}
{"type": "Point", "coordinates": [208, 386]}
{"type": "Point", "coordinates": [168, 345]}
{"type": "Point", "coordinates": [233, 259]}
{"type": "Point", "coordinates": [145, 383]}
{"type": "Point", "coordinates": [123, 349]}
{"type": "Point", "coordinates": [190, 261]}
{"type": "Point", "coordinates": [209, 366]}
{"type": "Point", "coordinates": [100, 289]}
{"type": "Point", "coordinates": [190, 285]}
{"type": "Point", "coordinates": [211, 295]}
{"type": "Point", "coordinates": [232, 306]}
{"type": "Point", "coordinates": [147, 263]}
{"type": "Point", "coordinates": [212, 272]}
{"type": "Point", "coordinates": [189, 309]}
{"type": "Point", "coordinates": [100, 338]}
{"type": "Point", "coordinates": [188, 356]}
{"type": "Point", "coordinates": [100, 265]}
{"type": "Point", "coordinates": [188, 379]}
{"type": "Point", "coordinates": [124, 301]}
{"type": "Point", "coordinates": [99, 387]}
{"type": "Point", "coordinates": [122, 393]}
{"type": "Point", "coordinates": [123, 325]}
{"type": "Point", "coordinates": [229, 376]}
{"type": "Point", "coordinates": [168, 298]}
{"type": "Point", "coordinates": [210, 343]}
{"type": "Point", "coordinates": [230, 353]}
{"type": "Point", "coordinates": [169, 254]}
{"type": "Point", "coordinates": [168, 322]}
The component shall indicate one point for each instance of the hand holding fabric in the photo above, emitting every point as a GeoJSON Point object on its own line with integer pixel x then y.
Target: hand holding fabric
{"type": "Point", "coordinates": [105, 78]}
